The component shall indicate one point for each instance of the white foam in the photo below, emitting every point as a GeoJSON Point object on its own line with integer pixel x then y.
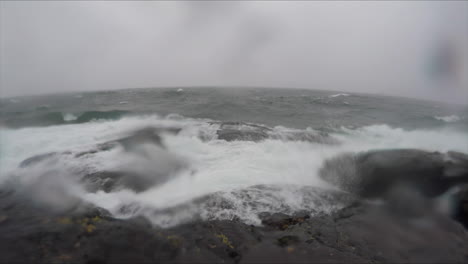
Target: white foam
{"type": "Point", "coordinates": [69, 117]}
{"type": "Point", "coordinates": [337, 95]}
{"type": "Point", "coordinates": [214, 166]}
{"type": "Point", "coordinates": [385, 137]}
{"type": "Point", "coordinates": [448, 119]}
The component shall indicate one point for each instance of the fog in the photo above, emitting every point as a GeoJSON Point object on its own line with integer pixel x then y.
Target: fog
{"type": "Point", "coordinates": [383, 47]}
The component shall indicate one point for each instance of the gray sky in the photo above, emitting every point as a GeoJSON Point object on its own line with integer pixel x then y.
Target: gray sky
{"type": "Point", "coordinates": [364, 46]}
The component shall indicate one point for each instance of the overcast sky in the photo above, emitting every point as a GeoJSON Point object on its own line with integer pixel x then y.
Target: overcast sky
{"type": "Point", "coordinates": [383, 47]}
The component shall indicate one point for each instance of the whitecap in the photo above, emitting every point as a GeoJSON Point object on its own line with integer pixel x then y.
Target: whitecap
{"type": "Point", "coordinates": [337, 95]}
{"type": "Point", "coordinates": [448, 119]}
{"type": "Point", "coordinates": [67, 117]}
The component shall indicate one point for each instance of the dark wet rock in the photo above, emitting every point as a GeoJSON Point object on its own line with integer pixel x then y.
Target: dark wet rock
{"type": "Point", "coordinates": [461, 207]}
{"type": "Point", "coordinates": [277, 220]}
{"type": "Point", "coordinates": [287, 241]}
{"type": "Point", "coordinates": [375, 173]}
{"type": "Point", "coordinates": [303, 214]}
{"type": "Point", "coordinates": [359, 233]}
{"type": "Point", "coordinates": [108, 181]}
{"type": "Point", "coordinates": [401, 239]}
{"type": "Point", "coordinates": [458, 156]}
{"type": "Point", "coordinates": [456, 164]}
{"type": "Point", "coordinates": [234, 135]}
{"type": "Point", "coordinates": [406, 178]}
{"type": "Point", "coordinates": [282, 221]}
{"type": "Point", "coordinates": [242, 131]}
{"type": "Point", "coordinates": [304, 135]}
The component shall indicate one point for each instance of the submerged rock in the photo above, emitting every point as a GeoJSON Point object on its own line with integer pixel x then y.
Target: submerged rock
{"type": "Point", "coordinates": [135, 180]}
{"type": "Point", "coordinates": [307, 135]}
{"type": "Point", "coordinates": [37, 159]}
{"type": "Point", "coordinates": [242, 131]}
{"type": "Point", "coordinates": [147, 135]}
{"type": "Point", "coordinates": [232, 131]}
{"type": "Point", "coordinates": [233, 135]}
{"type": "Point", "coordinates": [109, 181]}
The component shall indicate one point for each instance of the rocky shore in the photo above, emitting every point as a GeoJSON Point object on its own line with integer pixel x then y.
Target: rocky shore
{"type": "Point", "coordinates": [402, 223]}
{"type": "Point", "coordinates": [362, 232]}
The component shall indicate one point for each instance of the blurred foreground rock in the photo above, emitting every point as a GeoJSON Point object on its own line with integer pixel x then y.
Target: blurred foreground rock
{"type": "Point", "coordinates": [374, 174]}
{"type": "Point", "coordinates": [358, 233]}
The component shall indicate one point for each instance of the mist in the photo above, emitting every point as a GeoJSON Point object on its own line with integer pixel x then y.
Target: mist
{"type": "Point", "coordinates": [371, 47]}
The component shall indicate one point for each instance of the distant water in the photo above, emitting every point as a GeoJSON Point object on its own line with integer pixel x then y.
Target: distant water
{"type": "Point", "coordinates": [249, 176]}
{"type": "Point", "coordinates": [273, 107]}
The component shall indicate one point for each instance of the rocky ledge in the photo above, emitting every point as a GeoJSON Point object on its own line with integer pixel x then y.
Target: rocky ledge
{"type": "Point", "coordinates": [361, 232]}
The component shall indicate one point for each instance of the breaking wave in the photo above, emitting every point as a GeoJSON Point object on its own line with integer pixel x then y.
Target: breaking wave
{"type": "Point", "coordinates": [194, 168]}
